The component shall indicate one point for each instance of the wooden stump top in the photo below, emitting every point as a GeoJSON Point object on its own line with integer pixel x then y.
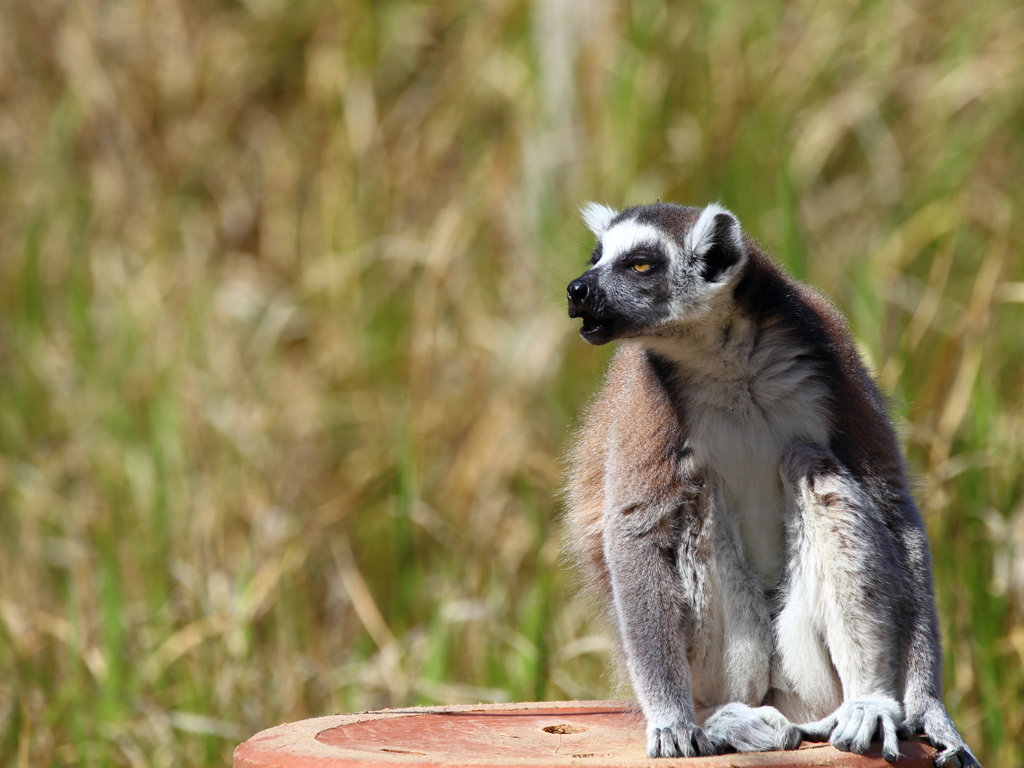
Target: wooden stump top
{"type": "Point", "coordinates": [602, 734]}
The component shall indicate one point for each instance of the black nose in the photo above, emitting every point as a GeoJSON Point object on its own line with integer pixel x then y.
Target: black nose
{"type": "Point", "coordinates": [578, 291]}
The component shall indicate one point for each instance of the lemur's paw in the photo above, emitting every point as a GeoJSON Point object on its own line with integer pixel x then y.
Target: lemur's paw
{"type": "Point", "coordinates": [737, 727]}
{"type": "Point", "coordinates": [857, 723]}
{"type": "Point", "coordinates": [938, 727]}
{"type": "Point", "coordinates": [956, 757]}
{"type": "Point", "coordinates": [679, 740]}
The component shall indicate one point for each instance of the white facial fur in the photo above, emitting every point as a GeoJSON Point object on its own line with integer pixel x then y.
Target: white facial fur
{"type": "Point", "coordinates": [624, 237]}
{"type": "Point", "coordinates": [597, 217]}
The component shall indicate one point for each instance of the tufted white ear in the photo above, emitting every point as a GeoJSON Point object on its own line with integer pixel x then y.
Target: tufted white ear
{"type": "Point", "coordinates": [597, 217]}
{"type": "Point", "coordinates": [717, 241]}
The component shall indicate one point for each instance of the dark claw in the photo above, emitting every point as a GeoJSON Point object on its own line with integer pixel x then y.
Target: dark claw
{"type": "Point", "coordinates": [790, 738]}
{"type": "Point", "coordinates": [890, 754]}
{"type": "Point", "coordinates": [702, 744]}
{"type": "Point", "coordinates": [964, 755]}
{"type": "Point", "coordinates": [681, 741]}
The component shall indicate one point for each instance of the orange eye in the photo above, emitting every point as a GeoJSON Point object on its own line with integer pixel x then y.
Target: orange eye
{"type": "Point", "coordinates": [641, 266]}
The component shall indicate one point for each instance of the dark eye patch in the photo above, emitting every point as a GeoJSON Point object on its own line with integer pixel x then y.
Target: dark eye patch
{"type": "Point", "coordinates": [651, 253]}
{"type": "Point", "coordinates": [596, 255]}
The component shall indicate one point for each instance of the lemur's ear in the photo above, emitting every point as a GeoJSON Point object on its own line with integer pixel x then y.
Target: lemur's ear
{"type": "Point", "coordinates": [597, 217]}
{"type": "Point", "coordinates": [717, 242]}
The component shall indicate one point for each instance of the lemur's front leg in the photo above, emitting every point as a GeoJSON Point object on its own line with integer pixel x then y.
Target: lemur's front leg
{"type": "Point", "coordinates": [656, 613]}
{"type": "Point", "coordinates": [845, 581]}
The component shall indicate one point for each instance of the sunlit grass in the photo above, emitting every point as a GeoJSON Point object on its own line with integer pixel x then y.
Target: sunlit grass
{"type": "Point", "coordinates": [285, 366]}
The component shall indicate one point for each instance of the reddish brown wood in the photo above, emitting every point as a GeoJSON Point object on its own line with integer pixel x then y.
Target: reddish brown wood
{"type": "Point", "coordinates": [601, 734]}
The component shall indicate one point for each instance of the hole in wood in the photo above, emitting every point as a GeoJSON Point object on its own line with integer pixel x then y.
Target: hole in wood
{"type": "Point", "coordinates": [564, 728]}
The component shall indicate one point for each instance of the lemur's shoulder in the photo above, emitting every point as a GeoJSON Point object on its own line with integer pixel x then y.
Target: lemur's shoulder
{"type": "Point", "coordinates": [632, 429]}
{"type": "Point", "coordinates": [862, 433]}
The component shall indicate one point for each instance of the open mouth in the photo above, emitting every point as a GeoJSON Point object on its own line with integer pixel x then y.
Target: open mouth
{"type": "Point", "coordinates": [596, 330]}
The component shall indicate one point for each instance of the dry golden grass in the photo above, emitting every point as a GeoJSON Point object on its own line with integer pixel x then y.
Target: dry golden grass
{"type": "Point", "coordinates": [285, 366]}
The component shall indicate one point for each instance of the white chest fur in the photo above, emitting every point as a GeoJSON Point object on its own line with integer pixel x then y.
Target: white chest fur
{"type": "Point", "coordinates": [748, 396]}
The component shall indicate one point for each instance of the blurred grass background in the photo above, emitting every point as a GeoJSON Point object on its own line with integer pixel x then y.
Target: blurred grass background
{"type": "Point", "coordinates": [285, 365]}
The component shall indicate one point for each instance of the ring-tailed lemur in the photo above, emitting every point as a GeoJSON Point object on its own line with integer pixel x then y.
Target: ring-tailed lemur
{"type": "Point", "coordinates": [738, 494]}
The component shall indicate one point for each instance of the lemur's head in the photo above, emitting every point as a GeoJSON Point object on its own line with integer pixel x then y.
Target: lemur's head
{"type": "Point", "coordinates": [654, 266]}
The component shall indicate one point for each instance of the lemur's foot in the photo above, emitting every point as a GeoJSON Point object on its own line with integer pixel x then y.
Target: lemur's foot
{"type": "Point", "coordinates": [857, 723]}
{"type": "Point", "coordinates": [936, 724]}
{"type": "Point", "coordinates": [737, 727]}
{"type": "Point", "coordinates": [679, 740]}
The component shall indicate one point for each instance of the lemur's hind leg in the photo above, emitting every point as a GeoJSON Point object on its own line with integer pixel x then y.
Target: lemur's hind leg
{"type": "Point", "coordinates": [844, 577]}
{"type": "Point", "coordinates": [659, 561]}
{"type": "Point", "coordinates": [751, 729]}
